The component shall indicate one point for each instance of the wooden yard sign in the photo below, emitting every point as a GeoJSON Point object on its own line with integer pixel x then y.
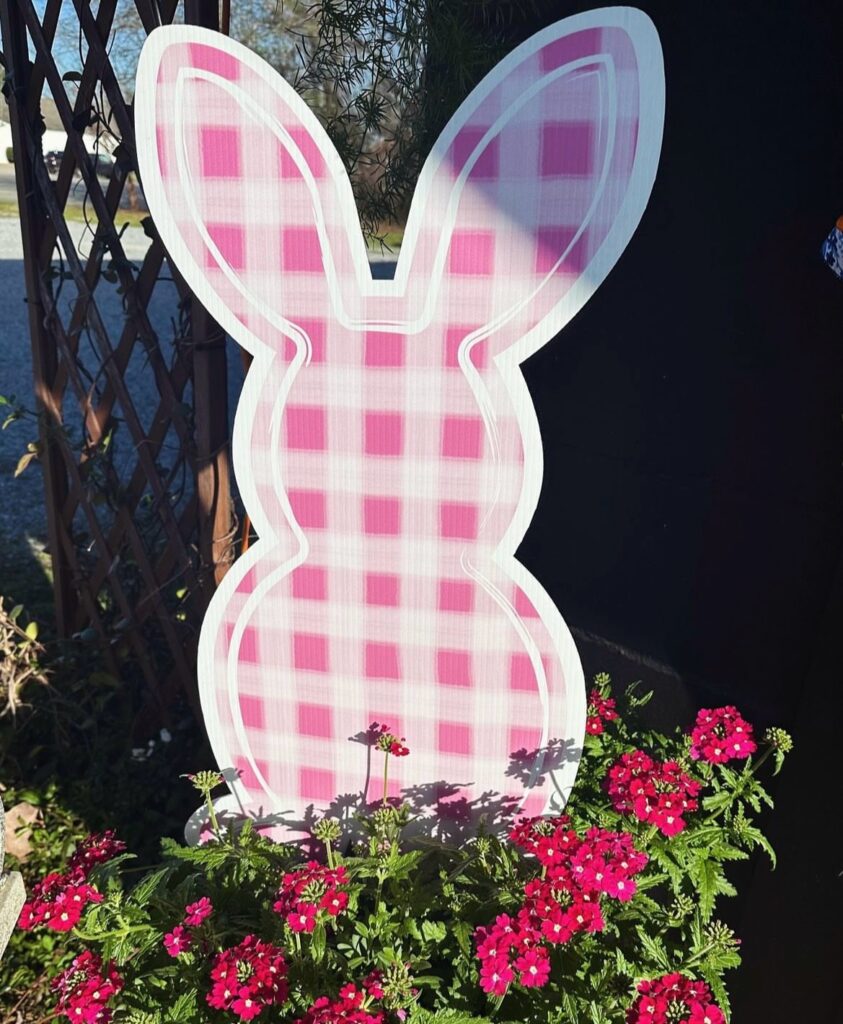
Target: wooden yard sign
{"type": "Point", "coordinates": [385, 445]}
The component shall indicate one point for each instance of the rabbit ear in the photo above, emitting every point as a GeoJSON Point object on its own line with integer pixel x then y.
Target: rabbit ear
{"type": "Point", "coordinates": [249, 195]}
{"type": "Point", "coordinates": [535, 186]}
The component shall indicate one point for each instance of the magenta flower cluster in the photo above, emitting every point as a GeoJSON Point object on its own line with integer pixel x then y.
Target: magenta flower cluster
{"type": "Point", "coordinates": [674, 999]}
{"type": "Point", "coordinates": [600, 709]}
{"type": "Point", "coordinates": [721, 735]}
{"type": "Point", "coordinates": [180, 939]}
{"type": "Point", "coordinates": [84, 989]}
{"type": "Point", "coordinates": [247, 978]}
{"type": "Point", "coordinates": [309, 890]}
{"type": "Point", "coordinates": [387, 742]}
{"type": "Point", "coordinates": [657, 792]}
{"type": "Point", "coordinates": [576, 874]}
{"type": "Point", "coordinates": [355, 1004]}
{"type": "Point", "coordinates": [59, 900]}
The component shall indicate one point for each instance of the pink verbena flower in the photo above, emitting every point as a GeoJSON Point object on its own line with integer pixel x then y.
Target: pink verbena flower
{"type": "Point", "coordinates": [659, 793]}
{"type": "Point", "coordinates": [303, 918]}
{"type": "Point", "coordinates": [177, 941]}
{"type": "Point", "coordinates": [496, 975]}
{"type": "Point", "coordinates": [97, 848]}
{"type": "Point", "coordinates": [196, 913]}
{"type": "Point", "coordinates": [533, 967]}
{"type": "Point", "coordinates": [310, 889]}
{"type": "Point", "coordinates": [85, 989]}
{"type": "Point", "coordinates": [600, 709]}
{"type": "Point", "coordinates": [387, 742]}
{"type": "Point", "coordinates": [720, 735]}
{"type": "Point", "coordinates": [354, 1004]}
{"type": "Point", "coordinates": [599, 862]}
{"type": "Point", "coordinates": [247, 978]}
{"type": "Point", "coordinates": [57, 901]}
{"type": "Point", "coordinates": [673, 997]}
{"type": "Point", "coordinates": [578, 872]}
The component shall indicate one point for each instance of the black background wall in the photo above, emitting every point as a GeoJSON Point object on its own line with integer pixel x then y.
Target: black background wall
{"type": "Point", "coordinates": [692, 507]}
{"type": "Point", "coordinates": [693, 498]}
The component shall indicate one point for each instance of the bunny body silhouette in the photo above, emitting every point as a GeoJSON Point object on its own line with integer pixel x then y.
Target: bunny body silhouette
{"type": "Point", "coordinates": [385, 443]}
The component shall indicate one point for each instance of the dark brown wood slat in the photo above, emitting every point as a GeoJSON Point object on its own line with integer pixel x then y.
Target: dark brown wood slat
{"type": "Point", "coordinates": [84, 96]}
{"type": "Point", "coordinates": [84, 591]}
{"type": "Point", "coordinates": [124, 530]}
{"type": "Point", "coordinates": [44, 362]}
{"type": "Point", "coordinates": [210, 376]}
{"type": "Point", "coordinates": [100, 334]}
{"type": "Point", "coordinates": [200, 529]}
{"type": "Point", "coordinates": [93, 268]}
{"type": "Point", "coordinates": [105, 550]}
{"type": "Point", "coordinates": [110, 235]}
{"type": "Point", "coordinates": [52, 11]}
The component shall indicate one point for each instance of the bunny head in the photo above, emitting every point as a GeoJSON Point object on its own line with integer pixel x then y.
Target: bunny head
{"type": "Point", "coordinates": [385, 443]}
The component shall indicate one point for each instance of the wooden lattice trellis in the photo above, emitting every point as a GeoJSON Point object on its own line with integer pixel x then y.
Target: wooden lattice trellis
{"type": "Point", "coordinates": [135, 554]}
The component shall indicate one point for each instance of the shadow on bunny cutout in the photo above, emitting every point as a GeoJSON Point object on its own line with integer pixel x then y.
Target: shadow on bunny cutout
{"type": "Point", "coordinates": [385, 445]}
{"type": "Point", "coordinates": [436, 810]}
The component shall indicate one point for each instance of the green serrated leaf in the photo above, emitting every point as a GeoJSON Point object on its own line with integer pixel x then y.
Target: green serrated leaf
{"type": "Point", "coordinates": [723, 960]}
{"type": "Point", "coordinates": [718, 990]}
{"type": "Point", "coordinates": [717, 801]}
{"type": "Point", "coordinates": [463, 931]}
{"type": "Point", "coordinates": [433, 931]}
{"type": "Point", "coordinates": [759, 839]}
{"type": "Point", "coordinates": [318, 943]}
{"type": "Point", "coordinates": [210, 856]}
{"type": "Point", "coordinates": [421, 1016]}
{"type": "Point", "coordinates": [624, 966]}
{"type": "Point", "coordinates": [150, 884]}
{"type": "Point", "coordinates": [654, 948]}
{"type": "Point", "coordinates": [183, 1009]}
{"type": "Point", "coordinates": [705, 876]}
{"type": "Point", "coordinates": [725, 851]}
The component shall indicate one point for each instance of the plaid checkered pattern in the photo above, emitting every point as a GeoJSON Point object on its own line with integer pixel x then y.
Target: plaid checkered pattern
{"type": "Point", "coordinates": [385, 443]}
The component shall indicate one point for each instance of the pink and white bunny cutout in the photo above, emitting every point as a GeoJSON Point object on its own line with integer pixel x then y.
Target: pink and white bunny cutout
{"type": "Point", "coordinates": [385, 444]}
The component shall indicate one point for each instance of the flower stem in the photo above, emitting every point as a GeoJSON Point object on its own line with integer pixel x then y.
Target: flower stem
{"type": "Point", "coordinates": [385, 777]}
{"type": "Point", "coordinates": [767, 753]}
{"type": "Point", "coordinates": [215, 825]}
{"type": "Point", "coordinates": [114, 932]}
{"type": "Point", "coordinates": [698, 955]}
{"type": "Point", "coordinates": [498, 1000]}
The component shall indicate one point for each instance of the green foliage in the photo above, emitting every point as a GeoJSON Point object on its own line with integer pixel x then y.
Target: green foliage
{"type": "Point", "coordinates": [51, 842]}
{"type": "Point", "coordinates": [414, 905]}
{"type": "Point", "coordinates": [21, 657]}
{"type": "Point", "coordinates": [82, 752]}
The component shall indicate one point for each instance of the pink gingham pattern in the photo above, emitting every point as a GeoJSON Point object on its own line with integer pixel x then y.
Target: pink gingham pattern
{"type": "Point", "coordinates": [385, 445]}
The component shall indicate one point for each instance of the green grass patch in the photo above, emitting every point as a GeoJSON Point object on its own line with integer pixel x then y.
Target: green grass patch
{"type": "Point", "coordinates": [76, 214]}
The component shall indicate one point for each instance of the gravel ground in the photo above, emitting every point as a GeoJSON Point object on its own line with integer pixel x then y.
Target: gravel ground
{"type": "Point", "coordinates": [21, 499]}
{"type": "Point", "coordinates": [22, 513]}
